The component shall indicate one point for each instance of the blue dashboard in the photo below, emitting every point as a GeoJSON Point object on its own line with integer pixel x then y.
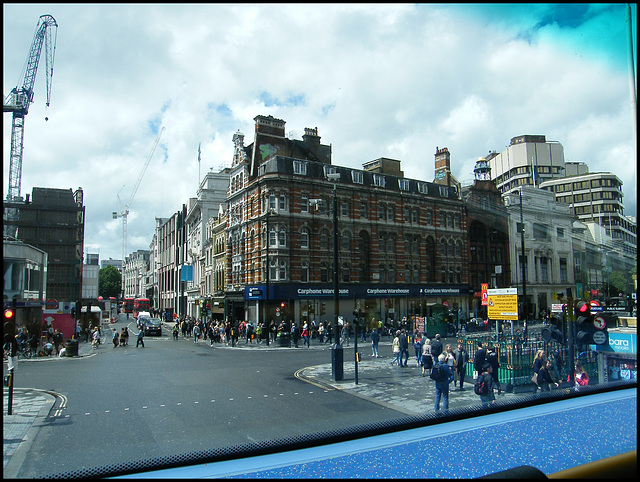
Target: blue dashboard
{"type": "Point", "coordinates": [551, 436]}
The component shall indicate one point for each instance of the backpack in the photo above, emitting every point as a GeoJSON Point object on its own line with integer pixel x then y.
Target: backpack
{"type": "Point", "coordinates": [481, 387]}
{"type": "Point", "coordinates": [437, 373]}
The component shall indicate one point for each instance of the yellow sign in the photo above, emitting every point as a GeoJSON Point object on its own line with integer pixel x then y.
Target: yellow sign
{"type": "Point", "coordinates": [502, 304]}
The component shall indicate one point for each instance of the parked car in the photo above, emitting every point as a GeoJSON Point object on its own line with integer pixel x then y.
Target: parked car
{"type": "Point", "coordinates": [153, 326]}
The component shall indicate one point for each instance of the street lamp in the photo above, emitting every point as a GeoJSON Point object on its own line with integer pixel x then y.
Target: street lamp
{"type": "Point", "coordinates": [266, 296]}
{"type": "Point", "coordinates": [337, 356]}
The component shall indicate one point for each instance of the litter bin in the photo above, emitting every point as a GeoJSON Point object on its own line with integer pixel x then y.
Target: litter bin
{"type": "Point", "coordinates": [71, 347]}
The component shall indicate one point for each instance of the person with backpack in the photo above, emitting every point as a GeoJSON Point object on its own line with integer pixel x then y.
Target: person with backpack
{"type": "Point", "coordinates": [484, 386]}
{"type": "Point", "coordinates": [442, 375]}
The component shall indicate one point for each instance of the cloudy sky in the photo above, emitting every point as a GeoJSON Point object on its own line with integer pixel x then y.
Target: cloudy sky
{"type": "Point", "coordinates": [376, 80]}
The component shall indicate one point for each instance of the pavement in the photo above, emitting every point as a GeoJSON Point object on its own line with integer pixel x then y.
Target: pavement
{"type": "Point", "coordinates": [403, 389]}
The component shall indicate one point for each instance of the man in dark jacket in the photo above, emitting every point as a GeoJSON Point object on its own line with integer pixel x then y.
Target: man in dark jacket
{"type": "Point", "coordinates": [436, 348]}
{"type": "Point", "coordinates": [492, 359]}
{"type": "Point", "coordinates": [479, 358]}
{"type": "Point", "coordinates": [403, 340]}
{"type": "Point", "coordinates": [461, 364]}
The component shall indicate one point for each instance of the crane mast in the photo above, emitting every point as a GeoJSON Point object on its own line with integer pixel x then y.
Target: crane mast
{"type": "Point", "coordinates": [20, 98]}
{"type": "Point", "coordinates": [125, 212]}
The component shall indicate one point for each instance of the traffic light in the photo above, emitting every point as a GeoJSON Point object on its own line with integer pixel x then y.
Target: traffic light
{"type": "Point", "coordinates": [553, 332]}
{"type": "Point", "coordinates": [323, 308]}
{"type": "Point", "coordinates": [591, 330]}
{"type": "Point", "coordinates": [9, 314]}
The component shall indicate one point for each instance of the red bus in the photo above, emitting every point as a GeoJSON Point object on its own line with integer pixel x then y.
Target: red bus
{"type": "Point", "coordinates": [127, 305]}
{"type": "Point", "coordinates": [140, 304]}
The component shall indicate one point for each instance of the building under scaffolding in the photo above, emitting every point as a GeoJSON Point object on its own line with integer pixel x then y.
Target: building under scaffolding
{"type": "Point", "coordinates": [53, 221]}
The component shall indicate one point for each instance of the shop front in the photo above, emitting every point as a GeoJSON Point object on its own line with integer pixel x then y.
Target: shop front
{"type": "Point", "coordinates": [411, 306]}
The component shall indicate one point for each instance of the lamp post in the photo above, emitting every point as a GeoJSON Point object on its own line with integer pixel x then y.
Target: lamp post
{"type": "Point", "coordinates": [524, 268]}
{"type": "Point", "coordinates": [266, 295]}
{"type": "Point", "coordinates": [337, 357]}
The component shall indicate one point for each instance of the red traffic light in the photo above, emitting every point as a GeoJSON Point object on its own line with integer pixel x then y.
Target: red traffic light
{"type": "Point", "coordinates": [582, 308]}
{"type": "Point", "coordinates": [8, 314]}
{"type": "Point", "coordinates": [282, 305]}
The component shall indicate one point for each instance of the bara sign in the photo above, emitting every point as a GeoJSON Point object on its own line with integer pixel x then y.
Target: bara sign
{"type": "Point", "coordinates": [502, 304]}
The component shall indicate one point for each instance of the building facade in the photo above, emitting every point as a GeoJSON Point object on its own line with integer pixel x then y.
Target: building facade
{"type": "Point", "coordinates": [53, 220]}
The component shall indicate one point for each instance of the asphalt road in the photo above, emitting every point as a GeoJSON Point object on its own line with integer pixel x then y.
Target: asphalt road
{"type": "Point", "coordinates": [126, 404]}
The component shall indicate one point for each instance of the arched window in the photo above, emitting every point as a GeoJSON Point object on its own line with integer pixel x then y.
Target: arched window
{"type": "Point", "coordinates": [282, 238]}
{"type": "Point", "coordinates": [282, 271]}
{"type": "Point", "coordinates": [346, 273]}
{"type": "Point", "coordinates": [324, 241]}
{"type": "Point", "coordinates": [304, 239]}
{"type": "Point", "coordinates": [304, 272]}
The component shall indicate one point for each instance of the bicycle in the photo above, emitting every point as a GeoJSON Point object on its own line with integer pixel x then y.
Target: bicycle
{"type": "Point", "coordinates": [24, 350]}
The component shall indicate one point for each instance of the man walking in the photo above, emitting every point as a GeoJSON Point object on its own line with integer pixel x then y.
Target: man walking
{"type": "Point", "coordinates": [375, 339]}
{"type": "Point", "coordinates": [479, 358]}
{"type": "Point", "coordinates": [403, 340]}
{"type": "Point", "coordinates": [461, 364]}
{"type": "Point", "coordinates": [436, 348]}
{"type": "Point", "coordinates": [442, 375]}
{"type": "Point", "coordinates": [140, 340]}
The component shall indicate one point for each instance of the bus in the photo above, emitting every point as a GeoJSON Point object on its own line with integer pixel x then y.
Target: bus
{"type": "Point", "coordinates": [127, 305]}
{"type": "Point", "coordinates": [140, 304]}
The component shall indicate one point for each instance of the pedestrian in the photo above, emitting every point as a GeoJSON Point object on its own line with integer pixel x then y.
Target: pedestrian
{"type": "Point", "coordinates": [95, 338]}
{"type": "Point", "coordinates": [581, 377]}
{"type": "Point", "coordinates": [404, 347]}
{"type": "Point", "coordinates": [305, 335]}
{"type": "Point", "coordinates": [140, 340]}
{"type": "Point", "coordinates": [58, 338]}
{"type": "Point", "coordinates": [10, 346]}
{"type": "Point", "coordinates": [196, 333]}
{"type": "Point", "coordinates": [126, 336]}
{"type": "Point", "coordinates": [321, 331]}
{"type": "Point", "coordinates": [259, 332]}
{"type": "Point", "coordinates": [344, 335]}
{"type": "Point", "coordinates": [450, 360]}
{"type": "Point", "coordinates": [442, 382]}
{"type": "Point", "coordinates": [329, 333]}
{"type": "Point", "coordinates": [436, 348]}
{"type": "Point", "coordinates": [115, 338]}
{"type": "Point", "coordinates": [545, 378]}
{"type": "Point", "coordinates": [395, 348]}
{"type": "Point", "coordinates": [538, 361]}
{"type": "Point", "coordinates": [295, 334]}
{"type": "Point", "coordinates": [478, 360]}
{"type": "Point", "coordinates": [427, 359]}
{"type": "Point", "coordinates": [485, 380]}
{"type": "Point", "coordinates": [375, 339]}
{"type": "Point", "coordinates": [175, 331]}
{"type": "Point", "coordinates": [492, 359]}
{"type": "Point", "coordinates": [461, 364]}
{"type": "Point", "coordinates": [249, 332]}
{"type": "Point", "coordinates": [417, 347]}
{"type": "Point", "coordinates": [122, 337]}
{"type": "Point", "coordinates": [34, 341]}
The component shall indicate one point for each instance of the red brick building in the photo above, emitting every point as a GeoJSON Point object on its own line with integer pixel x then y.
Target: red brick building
{"type": "Point", "coordinates": [402, 242]}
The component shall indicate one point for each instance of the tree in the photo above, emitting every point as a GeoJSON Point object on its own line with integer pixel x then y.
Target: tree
{"type": "Point", "coordinates": [109, 282]}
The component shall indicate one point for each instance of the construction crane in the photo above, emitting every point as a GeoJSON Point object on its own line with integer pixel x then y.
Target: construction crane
{"type": "Point", "coordinates": [21, 97]}
{"type": "Point", "coordinates": [125, 212]}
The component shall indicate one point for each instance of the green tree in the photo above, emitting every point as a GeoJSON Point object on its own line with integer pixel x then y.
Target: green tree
{"type": "Point", "coordinates": [109, 282]}
{"type": "Point", "coordinates": [618, 283]}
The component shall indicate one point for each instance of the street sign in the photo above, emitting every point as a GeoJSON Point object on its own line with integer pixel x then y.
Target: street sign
{"type": "Point", "coordinates": [599, 338]}
{"type": "Point", "coordinates": [599, 322]}
{"type": "Point", "coordinates": [51, 304]}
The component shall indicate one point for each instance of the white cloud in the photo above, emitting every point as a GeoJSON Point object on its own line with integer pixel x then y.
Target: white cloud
{"type": "Point", "coordinates": [377, 80]}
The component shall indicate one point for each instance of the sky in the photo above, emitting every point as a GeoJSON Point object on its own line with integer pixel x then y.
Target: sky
{"type": "Point", "coordinates": [377, 80]}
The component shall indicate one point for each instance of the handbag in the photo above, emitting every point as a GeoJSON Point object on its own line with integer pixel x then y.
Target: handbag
{"type": "Point", "coordinates": [534, 378]}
